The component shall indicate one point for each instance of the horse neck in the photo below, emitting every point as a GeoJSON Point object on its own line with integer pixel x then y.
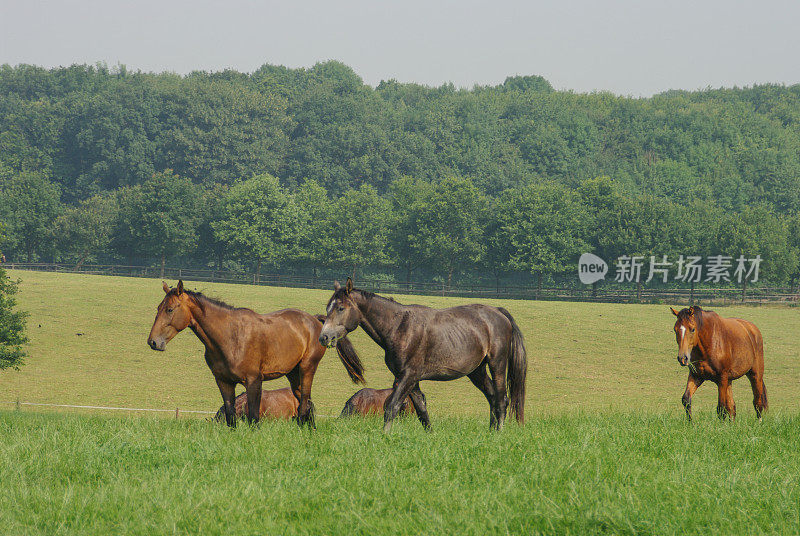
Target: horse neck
{"type": "Point", "coordinates": [378, 316]}
{"type": "Point", "coordinates": [208, 323]}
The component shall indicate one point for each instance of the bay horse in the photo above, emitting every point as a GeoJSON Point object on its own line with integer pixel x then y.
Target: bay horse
{"type": "Point", "coordinates": [422, 343]}
{"type": "Point", "coordinates": [371, 401]}
{"type": "Point", "coordinates": [720, 350]}
{"type": "Point", "coordinates": [275, 404]}
{"type": "Point", "coordinates": [243, 347]}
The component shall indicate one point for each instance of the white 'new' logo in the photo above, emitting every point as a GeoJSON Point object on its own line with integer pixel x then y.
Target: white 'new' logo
{"type": "Point", "coordinates": [591, 268]}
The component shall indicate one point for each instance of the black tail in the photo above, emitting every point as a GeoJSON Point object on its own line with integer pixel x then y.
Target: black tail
{"type": "Point", "coordinates": [517, 369]}
{"type": "Point", "coordinates": [350, 360]}
{"type": "Point", "coordinates": [348, 410]}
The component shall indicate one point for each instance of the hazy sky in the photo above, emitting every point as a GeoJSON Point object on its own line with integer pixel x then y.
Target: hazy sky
{"type": "Point", "coordinates": [628, 47]}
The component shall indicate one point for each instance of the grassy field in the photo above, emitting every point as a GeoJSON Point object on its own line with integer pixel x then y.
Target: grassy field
{"type": "Point", "coordinates": [582, 356]}
{"type": "Point", "coordinates": [570, 474]}
{"type": "Point", "coordinates": [605, 449]}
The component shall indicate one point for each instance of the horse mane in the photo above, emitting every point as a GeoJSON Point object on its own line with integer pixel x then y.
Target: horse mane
{"type": "Point", "coordinates": [342, 293]}
{"type": "Point", "coordinates": [201, 299]}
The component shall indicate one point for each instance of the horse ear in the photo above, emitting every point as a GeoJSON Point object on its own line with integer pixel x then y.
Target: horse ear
{"type": "Point", "coordinates": [349, 286]}
{"type": "Point", "coordinates": [165, 287]}
{"type": "Point", "coordinates": [691, 310]}
{"type": "Point", "coordinates": [673, 311]}
{"type": "Point", "coordinates": [180, 287]}
{"type": "Point", "coordinates": [336, 285]}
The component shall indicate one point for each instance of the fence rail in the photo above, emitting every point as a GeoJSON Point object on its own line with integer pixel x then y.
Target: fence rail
{"type": "Point", "coordinates": [634, 294]}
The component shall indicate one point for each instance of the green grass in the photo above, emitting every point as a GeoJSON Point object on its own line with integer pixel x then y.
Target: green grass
{"type": "Point", "coordinates": [583, 473]}
{"type": "Point", "coordinates": [582, 356]}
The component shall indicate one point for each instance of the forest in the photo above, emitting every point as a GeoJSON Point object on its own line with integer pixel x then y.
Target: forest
{"type": "Point", "coordinates": [309, 169]}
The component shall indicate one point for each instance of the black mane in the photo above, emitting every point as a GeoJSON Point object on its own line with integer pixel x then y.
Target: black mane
{"type": "Point", "coordinates": [342, 293]}
{"type": "Point", "coordinates": [202, 299]}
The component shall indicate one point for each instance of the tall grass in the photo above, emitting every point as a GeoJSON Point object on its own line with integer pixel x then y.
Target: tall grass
{"type": "Point", "coordinates": [578, 473]}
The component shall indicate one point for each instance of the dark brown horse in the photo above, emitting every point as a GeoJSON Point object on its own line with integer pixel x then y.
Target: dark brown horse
{"type": "Point", "coordinates": [436, 344]}
{"type": "Point", "coordinates": [275, 404]}
{"type": "Point", "coordinates": [247, 348]}
{"type": "Point", "coordinates": [371, 401]}
{"type": "Point", "coordinates": [721, 350]}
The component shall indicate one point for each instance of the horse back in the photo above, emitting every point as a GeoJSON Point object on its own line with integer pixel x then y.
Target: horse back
{"type": "Point", "coordinates": [451, 342]}
{"type": "Point", "coordinates": [744, 344]}
{"type": "Point", "coordinates": [275, 342]}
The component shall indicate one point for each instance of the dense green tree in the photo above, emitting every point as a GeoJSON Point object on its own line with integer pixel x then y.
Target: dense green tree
{"type": "Point", "coordinates": [12, 323]}
{"type": "Point", "coordinates": [84, 231]}
{"type": "Point", "coordinates": [157, 219]}
{"type": "Point", "coordinates": [408, 198]}
{"type": "Point", "coordinates": [29, 203]}
{"type": "Point", "coordinates": [540, 229]}
{"type": "Point", "coordinates": [314, 209]}
{"type": "Point", "coordinates": [357, 229]}
{"type": "Point", "coordinates": [449, 236]}
{"type": "Point", "coordinates": [260, 223]}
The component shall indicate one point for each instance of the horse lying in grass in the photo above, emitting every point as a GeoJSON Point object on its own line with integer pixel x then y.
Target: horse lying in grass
{"type": "Point", "coordinates": [248, 348]}
{"type": "Point", "coordinates": [436, 344]}
{"type": "Point", "coordinates": [371, 402]}
{"type": "Point", "coordinates": [721, 350]}
{"type": "Point", "coordinates": [275, 404]}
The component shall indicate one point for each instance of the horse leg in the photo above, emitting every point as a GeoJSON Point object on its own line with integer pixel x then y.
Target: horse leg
{"type": "Point", "coordinates": [498, 371]}
{"type": "Point", "coordinates": [253, 389]}
{"type": "Point", "coordinates": [730, 405]}
{"type": "Point", "coordinates": [723, 409]}
{"type": "Point", "coordinates": [692, 384]}
{"type": "Point", "coordinates": [418, 399]}
{"type": "Point", "coordinates": [228, 392]}
{"type": "Point", "coordinates": [305, 411]}
{"type": "Point", "coordinates": [402, 388]}
{"type": "Point", "coordinates": [759, 393]}
{"type": "Point", "coordinates": [480, 379]}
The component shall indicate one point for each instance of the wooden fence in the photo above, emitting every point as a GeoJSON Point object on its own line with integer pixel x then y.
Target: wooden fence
{"type": "Point", "coordinates": [603, 293]}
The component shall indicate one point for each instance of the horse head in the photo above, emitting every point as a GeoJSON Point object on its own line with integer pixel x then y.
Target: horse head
{"type": "Point", "coordinates": [687, 326]}
{"type": "Point", "coordinates": [173, 316]}
{"type": "Point", "coordinates": [343, 315]}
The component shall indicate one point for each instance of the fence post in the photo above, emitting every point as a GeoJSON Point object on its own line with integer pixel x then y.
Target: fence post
{"type": "Point", "coordinates": [177, 413]}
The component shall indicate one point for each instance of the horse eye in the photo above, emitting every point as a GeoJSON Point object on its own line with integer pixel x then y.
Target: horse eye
{"type": "Point", "coordinates": [341, 309]}
{"type": "Point", "coordinates": [170, 310]}
{"type": "Point", "coordinates": [692, 330]}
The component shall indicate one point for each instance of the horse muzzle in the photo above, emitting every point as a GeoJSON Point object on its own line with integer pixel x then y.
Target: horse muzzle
{"type": "Point", "coordinates": [158, 346]}
{"type": "Point", "coordinates": [683, 360]}
{"type": "Point", "coordinates": [329, 341]}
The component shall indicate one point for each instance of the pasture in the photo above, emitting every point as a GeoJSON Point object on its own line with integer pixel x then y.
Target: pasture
{"type": "Point", "coordinates": [605, 449]}
{"type": "Point", "coordinates": [581, 356]}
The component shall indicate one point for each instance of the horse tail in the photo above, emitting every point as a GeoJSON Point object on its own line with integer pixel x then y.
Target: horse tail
{"type": "Point", "coordinates": [349, 357]}
{"type": "Point", "coordinates": [349, 408]}
{"type": "Point", "coordinates": [220, 416]}
{"type": "Point", "coordinates": [517, 369]}
{"type": "Point", "coordinates": [764, 390]}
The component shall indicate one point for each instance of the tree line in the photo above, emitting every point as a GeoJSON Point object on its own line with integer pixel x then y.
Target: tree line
{"type": "Point", "coordinates": [312, 169]}
{"type": "Point", "coordinates": [445, 228]}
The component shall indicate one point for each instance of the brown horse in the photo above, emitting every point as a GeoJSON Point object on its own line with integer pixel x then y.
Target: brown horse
{"type": "Point", "coordinates": [436, 344]}
{"type": "Point", "coordinates": [275, 404]}
{"type": "Point", "coordinates": [370, 402]}
{"type": "Point", "coordinates": [721, 350]}
{"type": "Point", "coordinates": [247, 348]}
